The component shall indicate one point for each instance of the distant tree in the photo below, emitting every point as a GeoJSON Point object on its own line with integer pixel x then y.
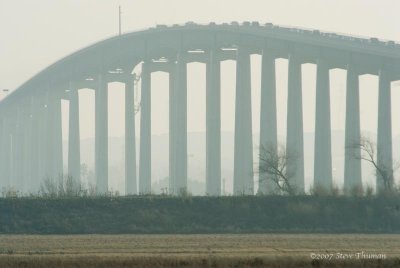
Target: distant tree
{"type": "Point", "coordinates": [63, 186]}
{"type": "Point", "coordinates": [84, 170]}
{"type": "Point", "coordinates": [273, 163]}
{"type": "Point", "coordinates": [367, 152]}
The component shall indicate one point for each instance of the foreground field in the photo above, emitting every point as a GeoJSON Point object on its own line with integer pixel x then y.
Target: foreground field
{"type": "Point", "coordinates": [264, 250]}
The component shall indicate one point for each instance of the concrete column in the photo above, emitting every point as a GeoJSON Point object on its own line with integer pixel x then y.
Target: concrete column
{"type": "Point", "coordinates": [294, 136]}
{"type": "Point", "coordinates": [101, 134]}
{"type": "Point", "coordinates": [43, 137]}
{"type": "Point", "coordinates": [352, 162]}
{"type": "Point", "coordinates": [322, 148]}
{"type": "Point", "coordinates": [54, 162]}
{"type": "Point", "coordinates": [172, 127]}
{"type": "Point", "coordinates": [145, 133]}
{"type": "Point", "coordinates": [2, 153]}
{"type": "Point", "coordinates": [27, 133]}
{"type": "Point", "coordinates": [6, 151]}
{"type": "Point", "coordinates": [384, 143]}
{"type": "Point", "coordinates": [268, 124]}
{"type": "Point", "coordinates": [58, 148]}
{"type": "Point", "coordinates": [18, 148]}
{"type": "Point", "coordinates": [243, 182]}
{"type": "Point", "coordinates": [213, 126]}
{"type": "Point", "coordinates": [130, 143]}
{"type": "Point", "coordinates": [13, 156]}
{"type": "Point", "coordinates": [49, 143]}
{"type": "Point", "coordinates": [74, 147]}
{"type": "Point", "coordinates": [181, 126]}
{"type": "Point", "coordinates": [35, 141]}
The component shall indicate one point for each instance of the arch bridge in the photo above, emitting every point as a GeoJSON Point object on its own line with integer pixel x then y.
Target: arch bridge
{"type": "Point", "coordinates": [30, 117]}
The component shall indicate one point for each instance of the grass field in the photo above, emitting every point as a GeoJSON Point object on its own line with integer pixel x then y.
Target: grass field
{"type": "Point", "coordinates": [263, 250]}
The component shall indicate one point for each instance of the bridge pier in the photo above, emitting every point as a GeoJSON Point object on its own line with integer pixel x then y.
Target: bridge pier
{"type": "Point", "coordinates": [49, 166]}
{"type": "Point", "coordinates": [243, 182]}
{"type": "Point", "coordinates": [27, 125]}
{"type": "Point", "coordinates": [2, 152]}
{"type": "Point", "coordinates": [6, 151]}
{"type": "Point", "coordinates": [74, 158]}
{"type": "Point", "coordinates": [294, 138]}
{"type": "Point", "coordinates": [13, 157]}
{"type": "Point", "coordinates": [180, 122]}
{"type": "Point", "coordinates": [58, 148]}
{"type": "Point", "coordinates": [322, 148]}
{"type": "Point", "coordinates": [130, 142]}
{"type": "Point", "coordinates": [352, 164]}
{"type": "Point", "coordinates": [101, 134]}
{"type": "Point", "coordinates": [213, 125]}
{"type": "Point", "coordinates": [268, 124]}
{"type": "Point", "coordinates": [172, 128]}
{"type": "Point", "coordinates": [18, 147]}
{"type": "Point", "coordinates": [43, 136]}
{"type": "Point", "coordinates": [53, 147]}
{"type": "Point", "coordinates": [34, 144]}
{"type": "Point", "coordinates": [384, 144]}
{"type": "Point", "coordinates": [145, 133]}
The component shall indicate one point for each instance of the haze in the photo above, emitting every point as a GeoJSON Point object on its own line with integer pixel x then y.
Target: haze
{"type": "Point", "coordinates": [35, 34]}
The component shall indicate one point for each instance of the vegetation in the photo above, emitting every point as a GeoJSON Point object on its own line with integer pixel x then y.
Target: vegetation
{"type": "Point", "coordinates": [273, 163]}
{"type": "Point", "coordinates": [187, 214]}
{"type": "Point", "coordinates": [365, 150]}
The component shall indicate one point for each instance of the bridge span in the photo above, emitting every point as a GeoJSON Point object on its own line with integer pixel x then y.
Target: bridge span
{"type": "Point", "coordinates": [30, 117]}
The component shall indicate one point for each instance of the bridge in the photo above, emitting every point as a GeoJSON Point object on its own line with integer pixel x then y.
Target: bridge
{"type": "Point", "coordinates": [30, 117]}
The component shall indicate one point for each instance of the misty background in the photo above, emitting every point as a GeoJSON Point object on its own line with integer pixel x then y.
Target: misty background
{"type": "Point", "coordinates": [34, 34]}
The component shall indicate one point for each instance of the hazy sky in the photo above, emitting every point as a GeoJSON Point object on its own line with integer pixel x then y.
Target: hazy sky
{"type": "Point", "coordinates": [34, 34]}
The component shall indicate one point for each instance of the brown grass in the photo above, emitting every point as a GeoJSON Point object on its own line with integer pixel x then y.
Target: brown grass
{"type": "Point", "coordinates": [263, 250]}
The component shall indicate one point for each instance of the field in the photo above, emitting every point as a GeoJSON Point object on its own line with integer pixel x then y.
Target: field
{"type": "Point", "coordinates": [222, 250]}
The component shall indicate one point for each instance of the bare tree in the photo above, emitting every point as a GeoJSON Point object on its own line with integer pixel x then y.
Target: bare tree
{"type": "Point", "coordinates": [365, 150]}
{"type": "Point", "coordinates": [273, 163]}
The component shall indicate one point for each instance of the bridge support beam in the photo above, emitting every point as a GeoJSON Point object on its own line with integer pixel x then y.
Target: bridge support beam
{"type": "Point", "coordinates": [2, 153]}
{"type": "Point", "coordinates": [5, 152]}
{"type": "Point", "coordinates": [180, 122]}
{"type": "Point", "coordinates": [384, 144]}
{"type": "Point", "coordinates": [145, 133]}
{"type": "Point", "coordinates": [18, 147]}
{"type": "Point", "coordinates": [53, 162]}
{"type": "Point", "coordinates": [101, 135]}
{"type": "Point", "coordinates": [172, 136]}
{"type": "Point", "coordinates": [34, 144]}
{"type": "Point", "coordinates": [243, 182]}
{"type": "Point", "coordinates": [7, 145]}
{"type": "Point", "coordinates": [49, 143]}
{"type": "Point", "coordinates": [352, 162]}
{"type": "Point", "coordinates": [8, 149]}
{"type": "Point", "coordinates": [43, 136]}
{"type": "Point", "coordinates": [27, 176]}
{"type": "Point", "coordinates": [13, 155]}
{"type": "Point", "coordinates": [58, 149]}
{"type": "Point", "coordinates": [213, 126]}
{"type": "Point", "coordinates": [268, 124]}
{"type": "Point", "coordinates": [74, 148]}
{"type": "Point", "coordinates": [130, 142]}
{"type": "Point", "coordinates": [294, 138]}
{"type": "Point", "coordinates": [322, 148]}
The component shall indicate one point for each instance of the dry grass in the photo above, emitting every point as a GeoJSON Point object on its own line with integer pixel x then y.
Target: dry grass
{"type": "Point", "coordinates": [264, 250]}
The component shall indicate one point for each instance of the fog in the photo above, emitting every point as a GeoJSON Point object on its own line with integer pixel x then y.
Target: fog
{"type": "Point", "coordinates": [35, 34]}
